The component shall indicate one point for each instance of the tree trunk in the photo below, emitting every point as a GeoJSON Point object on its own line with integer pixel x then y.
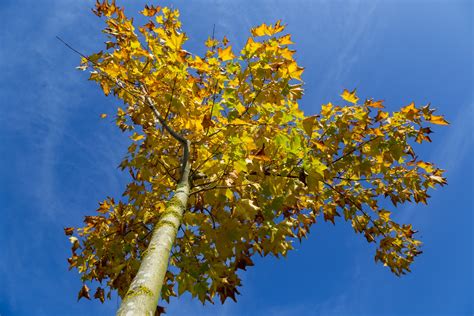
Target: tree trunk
{"type": "Point", "coordinates": [144, 292]}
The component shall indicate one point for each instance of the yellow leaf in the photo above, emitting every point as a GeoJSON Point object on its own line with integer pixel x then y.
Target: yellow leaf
{"type": "Point", "coordinates": [269, 30]}
{"type": "Point", "coordinates": [176, 41]}
{"type": "Point", "coordinates": [251, 46]}
{"type": "Point", "coordinates": [428, 167]}
{"type": "Point", "coordinates": [308, 125]}
{"type": "Point", "coordinates": [260, 157]}
{"type": "Point", "coordinates": [381, 116]}
{"type": "Point", "coordinates": [350, 96]}
{"type": "Point", "coordinates": [294, 71]}
{"type": "Point", "coordinates": [238, 122]}
{"type": "Point", "coordinates": [409, 108]}
{"type": "Point", "coordinates": [120, 112]}
{"type": "Point", "coordinates": [103, 115]}
{"type": "Point", "coordinates": [287, 53]}
{"type": "Point", "coordinates": [135, 44]}
{"type": "Point", "coordinates": [320, 145]}
{"type": "Point", "coordinates": [260, 30]}
{"type": "Point", "coordinates": [384, 215]}
{"type": "Point", "coordinates": [249, 142]}
{"type": "Point", "coordinates": [105, 86]}
{"type": "Point", "coordinates": [378, 132]}
{"type": "Point", "coordinates": [226, 54]}
{"type": "Point", "coordinates": [277, 28]}
{"type": "Point", "coordinates": [326, 109]}
{"type": "Point", "coordinates": [240, 108]}
{"type": "Point", "coordinates": [136, 137]}
{"type": "Point", "coordinates": [410, 111]}
{"type": "Point", "coordinates": [210, 42]}
{"type": "Point", "coordinates": [438, 119]}
{"type": "Point", "coordinates": [285, 40]}
{"type": "Point", "coordinates": [148, 217]}
{"type": "Point", "coordinates": [246, 209]}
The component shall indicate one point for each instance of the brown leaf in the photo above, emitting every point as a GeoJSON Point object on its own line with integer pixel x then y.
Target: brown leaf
{"type": "Point", "coordinates": [68, 231]}
{"type": "Point", "coordinates": [99, 294]}
{"type": "Point", "coordinates": [207, 121]}
{"type": "Point", "coordinates": [84, 292]}
{"type": "Point", "coordinates": [160, 310]}
{"type": "Point", "coordinates": [151, 10]}
{"type": "Point", "coordinates": [243, 262]}
{"type": "Point", "coordinates": [374, 104]}
{"type": "Point", "coordinates": [260, 154]}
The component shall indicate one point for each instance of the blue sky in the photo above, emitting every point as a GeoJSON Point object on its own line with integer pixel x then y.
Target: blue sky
{"type": "Point", "coordinates": [59, 158]}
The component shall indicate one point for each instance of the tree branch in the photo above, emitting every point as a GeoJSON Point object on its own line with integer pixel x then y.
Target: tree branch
{"type": "Point", "coordinates": [357, 206]}
{"type": "Point", "coordinates": [354, 149]}
{"type": "Point", "coordinates": [146, 99]}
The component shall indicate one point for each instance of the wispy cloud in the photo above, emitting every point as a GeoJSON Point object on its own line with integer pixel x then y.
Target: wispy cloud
{"type": "Point", "coordinates": [41, 102]}
{"type": "Point", "coordinates": [450, 152]}
{"type": "Point", "coordinates": [457, 141]}
{"type": "Point", "coordinates": [354, 33]}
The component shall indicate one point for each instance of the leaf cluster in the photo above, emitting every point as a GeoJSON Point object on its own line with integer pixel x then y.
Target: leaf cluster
{"type": "Point", "coordinates": [262, 171]}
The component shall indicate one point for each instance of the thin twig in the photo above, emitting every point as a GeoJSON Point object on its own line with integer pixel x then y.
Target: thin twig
{"type": "Point", "coordinates": [212, 217]}
{"type": "Point", "coordinates": [172, 95]}
{"type": "Point", "coordinates": [359, 207]}
{"type": "Point", "coordinates": [354, 149]}
{"type": "Point", "coordinates": [146, 100]}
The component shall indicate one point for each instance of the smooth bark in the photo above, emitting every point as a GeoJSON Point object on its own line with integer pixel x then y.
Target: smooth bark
{"type": "Point", "coordinates": [144, 292]}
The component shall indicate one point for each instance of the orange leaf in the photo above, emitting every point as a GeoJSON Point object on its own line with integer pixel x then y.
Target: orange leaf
{"type": "Point", "coordinates": [438, 119]}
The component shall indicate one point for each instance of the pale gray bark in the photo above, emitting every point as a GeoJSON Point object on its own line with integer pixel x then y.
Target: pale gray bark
{"type": "Point", "coordinates": [144, 292]}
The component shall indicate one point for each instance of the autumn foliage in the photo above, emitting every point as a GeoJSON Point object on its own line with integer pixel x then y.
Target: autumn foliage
{"type": "Point", "coordinates": [262, 172]}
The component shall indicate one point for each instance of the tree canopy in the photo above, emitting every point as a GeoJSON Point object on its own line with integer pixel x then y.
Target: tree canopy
{"type": "Point", "coordinates": [261, 171]}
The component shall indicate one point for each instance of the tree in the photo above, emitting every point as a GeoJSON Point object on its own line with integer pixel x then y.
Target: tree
{"type": "Point", "coordinates": [225, 166]}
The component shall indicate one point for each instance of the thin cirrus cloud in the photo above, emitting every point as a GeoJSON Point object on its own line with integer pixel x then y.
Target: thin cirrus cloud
{"type": "Point", "coordinates": [40, 101]}
{"type": "Point", "coordinates": [60, 158]}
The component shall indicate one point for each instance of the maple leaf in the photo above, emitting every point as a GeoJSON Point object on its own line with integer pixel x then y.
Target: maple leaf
{"type": "Point", "coordinates": [226, 54]}
{"type": "Point", "coordinates": [151, 10]}
{"type": "Point", "coordinates": [350, 96]}
{"type": "Point", "coordinates": [410, 111]}
{"type": "Point", "coordinates": [438, 119]}
{"type": "Point", "coordinates": [224, 165]}
{"type": "Point", "coordinates": [374, 104]}
{"type": "Point", "coordinates": [69, 231]}
{"type": "Point", "coordinates": [260, 30]}
{"type": "Point", "coordinates": [384, 215]}
{"type": "Point", "coordinates": [225, 41]}
{"type": "Point", "coordinates": [207, 121]}
{"type": "Point", "coordinates": [99, 294]}
{"type": "Point", "coordinates": [285, 40]}
{"type": "Point", "coordinates": [84, 292]}
{"type": "Point", "coordinates": [294, 71]}
{"type": "Point", "coordinates": [308, 124]}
